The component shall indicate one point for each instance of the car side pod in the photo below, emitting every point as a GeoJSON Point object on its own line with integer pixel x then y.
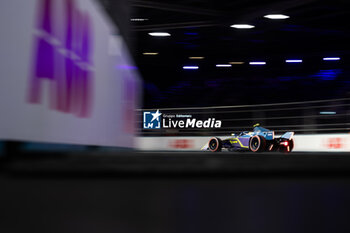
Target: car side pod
{"type": "Point", "coordinates": [215, 144]}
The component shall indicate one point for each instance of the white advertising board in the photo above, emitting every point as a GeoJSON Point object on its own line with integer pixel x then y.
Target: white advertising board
{"type": "Point", "coordinates": [65, 75]}
{"type": "Point", "coordinates": [311, 143]}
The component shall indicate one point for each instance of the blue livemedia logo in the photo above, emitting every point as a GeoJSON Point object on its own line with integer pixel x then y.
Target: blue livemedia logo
{"type": "Point", "coordinates": [151, 120]}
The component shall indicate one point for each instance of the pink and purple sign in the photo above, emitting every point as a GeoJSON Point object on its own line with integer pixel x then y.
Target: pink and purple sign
{"type": "Point", "coordinates": [63, 55]}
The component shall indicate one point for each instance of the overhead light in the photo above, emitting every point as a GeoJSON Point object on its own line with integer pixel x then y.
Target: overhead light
{"type": "Point", "coordinates": [138, 19]}
{"type": "Point", "coordinates": [150, 53]}
{"type": "Point", "coordinates": [196, 58]}
{"type": "Point", "coordinates": [236, 62]}
{"type": "Point", "coordinates": [159, 34]}
{"type": "Point", "coordinates": [257, 63]}
{"type": "Point", "coordinates": [242, 26]}
{"type": "Point", "coordinates": [190, 67]}
{"type": "Point", "coordinates": [328, 113]}
{"type": "Point", "coordinates": [294, 61]}
{"type": "Point", "coordinates": [276, 16]}
{"type": "Point", "coordinates": [331, 58]}
{"type": "Point", "coordinates": [223, 65]}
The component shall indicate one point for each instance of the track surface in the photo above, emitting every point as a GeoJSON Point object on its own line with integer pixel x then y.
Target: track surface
{"type": "Point", "coordinates": [175, 192]}
{"type": "Point", "coordinates": [177, 163]}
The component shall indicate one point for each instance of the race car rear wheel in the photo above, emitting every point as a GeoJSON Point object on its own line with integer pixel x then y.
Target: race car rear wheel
{"type": "Point", "coordinates": [257, 143]}
{"type": "Point", "coordinates": [215, 144]}
{"type": "Point", "coordinates": [291, 145]}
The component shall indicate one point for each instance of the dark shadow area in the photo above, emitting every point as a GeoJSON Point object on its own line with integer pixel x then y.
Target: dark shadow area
{"type": "Point", "coordinates": [175, 192]}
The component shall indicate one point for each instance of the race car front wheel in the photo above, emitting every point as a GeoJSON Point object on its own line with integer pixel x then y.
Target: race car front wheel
{"type": "Point", "coordinates": [257, 143]}
{"type": "Point", "coordinates": [215, 144]}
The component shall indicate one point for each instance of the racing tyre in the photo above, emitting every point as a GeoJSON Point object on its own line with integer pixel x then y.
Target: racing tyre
{"type": "Point", "coordinates": [291, 145]}
{"type": "Point", "coordinates": [215, 144]}
{"type": "Point", "coordinates": [257, 143]}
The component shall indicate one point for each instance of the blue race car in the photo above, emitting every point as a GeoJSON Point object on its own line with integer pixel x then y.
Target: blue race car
{"type": "Point", "coordinates": [259, 140]}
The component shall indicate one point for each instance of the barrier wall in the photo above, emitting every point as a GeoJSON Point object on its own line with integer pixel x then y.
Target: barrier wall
{"type": "Point", "coordinates": [319, 143]}
{"type": "Point", "coordinates": [65, 75]}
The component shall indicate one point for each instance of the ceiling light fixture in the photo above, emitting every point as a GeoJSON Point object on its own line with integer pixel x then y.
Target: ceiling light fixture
{"type": "Point", "coordinates": [150, 53]}
{"type": "Point", "coordinates": [257, 63]}
{"type": "Point", "coordinates": [242, 26]}
{"type": "Point", "coordinates": [196, 58]}
{"type": "Point", "coordinates": [294, 61]}
{"type": "Point", "coordinates": [236, 62]}
{"type": "Point", "coordinates": [138, 19]}
{"type": "Point", "coordinates": [159, 34]}
{"type": "Point", "coordinates": [276, 16]}
{"type": "Point", "coordinates": [223, 65]}
{"type": "Point", "coordinates": [331, 58]}
{"type": "Point", "coordinates": [190, 67]}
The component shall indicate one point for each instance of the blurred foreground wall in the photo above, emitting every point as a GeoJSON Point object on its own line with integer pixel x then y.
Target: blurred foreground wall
{"type": "Point", "coordinates": [65, 75]}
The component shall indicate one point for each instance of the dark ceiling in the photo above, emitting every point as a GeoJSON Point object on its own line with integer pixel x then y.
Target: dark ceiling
{"type": "Point", "coordinates": [314, 30]}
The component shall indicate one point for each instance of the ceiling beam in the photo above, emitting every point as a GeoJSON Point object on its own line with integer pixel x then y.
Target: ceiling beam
{"type": "Point", "coordinates": [168, 26]}
{"type": "Point", "coordinates": [175, 8]}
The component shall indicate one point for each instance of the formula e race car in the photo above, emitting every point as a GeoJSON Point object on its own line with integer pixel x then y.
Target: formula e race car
{"type": "Point", "coordinates": [259, 140]}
